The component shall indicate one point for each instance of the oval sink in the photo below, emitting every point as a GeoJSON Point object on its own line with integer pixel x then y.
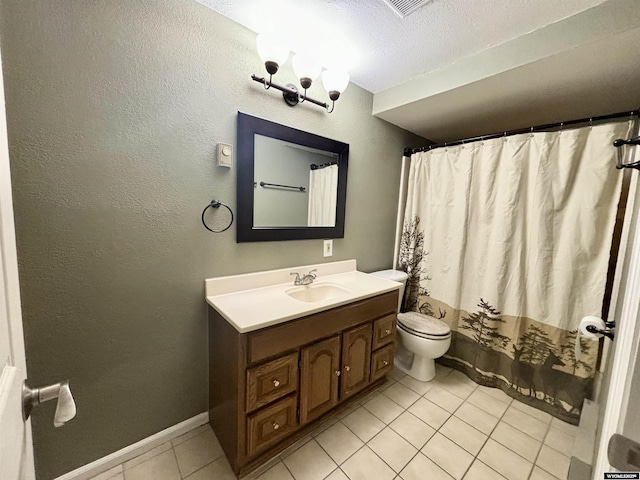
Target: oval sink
{"type": "Point", "coordinates": [317, 292]}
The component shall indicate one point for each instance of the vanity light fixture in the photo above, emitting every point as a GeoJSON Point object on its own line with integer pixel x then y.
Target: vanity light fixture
{"type": "Point", "coordinates": [274, 54]}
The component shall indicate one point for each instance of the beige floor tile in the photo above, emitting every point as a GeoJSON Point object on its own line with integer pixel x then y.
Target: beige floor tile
{"type": "Point", "coordinates": [429, 413]}
{"type": "Point", "coordinates": [495, 392]}
{"type": "Point", "coordinates": [526, 423]}
{"type": "Point", "coordinates": [534, 412]}
{"type": "Point", "coordinates": [412, 429]}
{"type": "Point", "coordinates": [324, 425]}
{"type": "Point", "coordinates": [560, 441]}
{"type": "Point", "coordinates": [477, 418]}
{"type": "Point", "coordinates": [190, 434]}
{"type": "Point", "coordinates": [146, 456]}
{"type": "Point", "coordinates": [460, 377]}
{"type": "Point", "coordinates": [564, 426]}
{"type": "Point", "coordinates": [197, 452]}
{"type": "Point", "coordinates": [421, 468]}
{"type": "Point", "coordinates": [337, 475]}
{"type": "Point", "coordinates": [295, 446]}
{"type": "Point", "coordinates": [479, 471]}
{"type": "Point", "coordinates": [160, 467]}
{"type": "Point", "coordinates": [119, 476]}
{"type": "Point", "coordinates": [363, 423]}
{"type": "Point", "coordinates": [504, 461]}
{"type": "Point", "coordinates": [516, 440]}
{"type": "Point", "coordinates": [366, 465]}
{"type": "Point", "coordinates": [397, 374]}
{"type": "Point", "coordinates": [109, 474]}
{"type": "Point", "coordinates": [218, 470]}
{"type": "Point", "coordinates": [392, 448]}
{"type": "Point", "coordinates": [403, 396]}
{"type": "Point", "coordinates": [253, 475]}
{"type": "Point", "coordinates": [488, 403]}
{"type": "Point", "coordinates": [449, 456]}
{"type": "Point", "coordinates": [310, 462]}
{"type": "Point", "coordinates": [368, 397]}
{"type": "Point", "coordinates": [339, 442]}
{"type": "Point", "coordinates": [349, 410]}
{"type": "Point", "coordinates": [384, 408]}
{"type": "Point", "coordinates": [464, 435]}
{"type": "Point", "coordinates": [539, 474]}
{"type": "Point", "coordinates": [553, 462]}
{"type": "Point", "coordinates": [277, 472]}
{"type": "Point", "coordinates": [417, 386]}
{"type": "Point", "coordinates": [453, 384]}
{"type": "Point", "coordinates": [444, 399]}
{"type": "Point", "coordinates": [442, 371]}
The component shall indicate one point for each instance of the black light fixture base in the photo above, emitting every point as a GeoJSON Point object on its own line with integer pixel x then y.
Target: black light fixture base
{"type": "Point", "coordinates": [292, 99]}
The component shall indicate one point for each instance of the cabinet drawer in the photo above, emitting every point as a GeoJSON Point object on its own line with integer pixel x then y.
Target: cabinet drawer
{"type": "Point", "coordinates": [268, 426]}
{"type": "Point", "coordinates": [384, 330]}
{"type": "Point", "coordinates": [272, 380]}
{"type": "Point", "coordinates": [381, 362]}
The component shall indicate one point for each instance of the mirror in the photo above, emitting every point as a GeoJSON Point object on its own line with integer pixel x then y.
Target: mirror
{"type": "Point", "coordinates": [291, 184]}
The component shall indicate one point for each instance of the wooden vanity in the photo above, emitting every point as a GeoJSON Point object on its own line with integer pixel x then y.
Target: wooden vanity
{"type": "Point", "coordinates": [270, 386]}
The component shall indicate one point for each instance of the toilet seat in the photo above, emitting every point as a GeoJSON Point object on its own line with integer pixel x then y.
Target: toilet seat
{"type": "Point", "coordinates": [423, 326]}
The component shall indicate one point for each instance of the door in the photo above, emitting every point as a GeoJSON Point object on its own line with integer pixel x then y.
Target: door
{"type": "Point", "coordinates": [319, 375]}
{"type": "Point", "coordinates": [621, 404]}
{"type": "Point", "coordinates": [16, 451]}
{"type": "Point", "coordinates": [356, 360]}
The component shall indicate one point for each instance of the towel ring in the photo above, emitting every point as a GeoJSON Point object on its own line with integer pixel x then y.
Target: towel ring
{"type": "Point", "coordinates": [216, 204]}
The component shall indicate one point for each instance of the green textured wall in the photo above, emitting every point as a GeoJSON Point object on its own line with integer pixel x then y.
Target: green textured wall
{"type": "Point", "coordinates": [114, 109]}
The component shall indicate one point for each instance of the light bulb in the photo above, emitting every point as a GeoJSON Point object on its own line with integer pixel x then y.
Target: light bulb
{"type": "Point", "coordinates": [306, 69]}
{"type": "Point", "coordinates": [335, 82]}
{"type": "Point", "coordinates": [272, 52]}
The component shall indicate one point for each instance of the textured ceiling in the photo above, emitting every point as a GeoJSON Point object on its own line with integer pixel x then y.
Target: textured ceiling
{"type": "Point", "coordinates": [383, 50]}
{"type": "Point", "coordinates": [459, 68]}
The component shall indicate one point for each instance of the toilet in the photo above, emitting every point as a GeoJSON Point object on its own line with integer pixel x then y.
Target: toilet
{"type": "Point", "coordinates": [422, 338]}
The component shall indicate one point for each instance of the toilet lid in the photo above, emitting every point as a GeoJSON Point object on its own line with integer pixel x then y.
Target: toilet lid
{"type": "Point", "coordinates": [423, 324]}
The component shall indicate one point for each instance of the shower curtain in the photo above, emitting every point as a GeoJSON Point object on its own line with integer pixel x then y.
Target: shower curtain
{"type": "Point", "coordinates": [323, 196]}
{"type": "Point", "coordinates": [508, 241]}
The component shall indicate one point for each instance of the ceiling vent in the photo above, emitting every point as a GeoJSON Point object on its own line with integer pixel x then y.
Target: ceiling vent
{"type": "Point", "coordinates": [403, 8]}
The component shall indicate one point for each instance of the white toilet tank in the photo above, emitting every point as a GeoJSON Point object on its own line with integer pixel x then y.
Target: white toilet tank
{"type": "Point", "coordinates": [396, 276]}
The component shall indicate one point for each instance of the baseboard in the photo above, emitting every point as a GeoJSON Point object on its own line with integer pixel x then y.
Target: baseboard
{"type": "Point", "coordinates": [127, 453]}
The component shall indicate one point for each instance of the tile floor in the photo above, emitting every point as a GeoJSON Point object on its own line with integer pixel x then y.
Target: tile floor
{"type": "Point", "coordinates": [449, 428]}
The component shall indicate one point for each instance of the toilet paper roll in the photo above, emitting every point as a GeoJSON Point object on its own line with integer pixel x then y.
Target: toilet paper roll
{"type": "Point", "coordinates": [584, 333]}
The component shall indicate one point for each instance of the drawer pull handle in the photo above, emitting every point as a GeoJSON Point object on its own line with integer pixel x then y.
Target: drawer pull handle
{"type": "Point", "coordinates": [275, 425]}
{"type": "Point", "coordinates": [275, 382]}
{"type": "Point", "coordinates": [337, 372]}
{"type": "Point", "coordinates": [347, 368]}
{"type": "Point", "coordinates": [385, 363]}
{"type": "Point", "coordinates": [387, 331]}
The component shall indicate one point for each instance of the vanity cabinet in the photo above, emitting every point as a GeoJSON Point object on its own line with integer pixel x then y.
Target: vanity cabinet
{"type": "Point", "coordinates": [269, 387]}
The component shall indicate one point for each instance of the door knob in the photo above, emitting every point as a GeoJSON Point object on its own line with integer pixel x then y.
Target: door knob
{"type": "Point", "coordinates": [66, 408]}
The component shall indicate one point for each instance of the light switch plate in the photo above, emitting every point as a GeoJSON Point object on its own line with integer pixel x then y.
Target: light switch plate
{"type": "Point", "coordinates": [327, 248]}
{"type": "Point", "coordinates": [224, 155]}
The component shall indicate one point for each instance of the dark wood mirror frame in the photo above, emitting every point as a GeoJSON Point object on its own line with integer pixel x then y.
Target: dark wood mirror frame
{"type": "Point", "coordinates": [248, 127]}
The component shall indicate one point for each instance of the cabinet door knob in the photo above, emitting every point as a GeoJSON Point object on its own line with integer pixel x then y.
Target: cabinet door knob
{"type": "Point", "coordinates": [385, 363]}
{"type": "Point", "coordinates": [275, 425]}
{"type": "Point", "coordinates": [387, 331]}
{"type": "Point", "coordinates": [337, 372]}
{"type": "Point", "coordinates": [275, 382]}
{"type": "Point", "coordinates": [347, 368]}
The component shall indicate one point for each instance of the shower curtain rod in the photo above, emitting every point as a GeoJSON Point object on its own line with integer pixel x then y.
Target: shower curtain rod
{"type": "Point", "coordinates": [408, 151]}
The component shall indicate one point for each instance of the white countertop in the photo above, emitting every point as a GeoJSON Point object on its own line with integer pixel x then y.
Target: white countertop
{"type": "Point", "coordinates": [256, 300]}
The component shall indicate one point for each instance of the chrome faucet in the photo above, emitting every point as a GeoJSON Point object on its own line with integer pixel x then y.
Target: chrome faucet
{"type": "Point", "coordinates": [306, 279]}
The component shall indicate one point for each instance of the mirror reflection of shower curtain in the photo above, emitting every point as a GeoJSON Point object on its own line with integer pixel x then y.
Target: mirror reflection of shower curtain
{"type": "Point", "coordinates": [323, 196]}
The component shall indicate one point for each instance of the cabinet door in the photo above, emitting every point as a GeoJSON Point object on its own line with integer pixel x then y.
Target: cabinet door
{"type": "Point", "coordinates": [319, 375]}
{"type": "Point", "coordinates": [356, 359]}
